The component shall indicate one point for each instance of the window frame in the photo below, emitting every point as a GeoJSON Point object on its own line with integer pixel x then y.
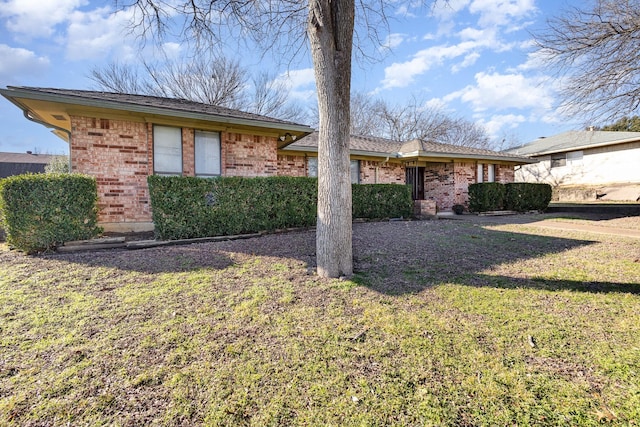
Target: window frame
{"type": "Point", "coordinates": [558, 160]}
{"type": "Point", "coordinates": [491, 172]}
{"type": "Point", "coordinates": [156, 139]}
{"type": "Point", "coordinates": [357, 171]}
{"type": "Point", "coordinates": [310, 160]}
{"type": "Point", "coordinates": [195, 154]}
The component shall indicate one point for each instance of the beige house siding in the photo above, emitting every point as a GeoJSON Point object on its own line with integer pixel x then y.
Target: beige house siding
{"type": "Point", "coordinates": [614, 164]}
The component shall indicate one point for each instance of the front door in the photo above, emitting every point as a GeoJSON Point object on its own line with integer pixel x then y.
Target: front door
{"type": "Point", "coordinates": [415, 178]}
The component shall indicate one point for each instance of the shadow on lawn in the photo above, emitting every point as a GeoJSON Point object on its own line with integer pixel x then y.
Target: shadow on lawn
{"type": "Point", "coordinates": [393, 258]}
{"type": "Point", "coordinates": [462, 253]}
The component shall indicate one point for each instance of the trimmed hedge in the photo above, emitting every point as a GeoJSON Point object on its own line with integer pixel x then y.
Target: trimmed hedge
{"type": "Point", "coordinates": [524, 196]}
{"type": "Point", "coordinates": [377, 201]}
{"type": "Point", "coordinates": [189, 207]}
{"type": "Point", "coordinates": [486, 196]}
{"type": "Point", "coordinates": [516, 196]}
{"type": "Point", "coordinates": [40, 211]}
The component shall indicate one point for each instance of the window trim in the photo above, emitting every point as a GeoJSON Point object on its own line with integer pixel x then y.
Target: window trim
{"type": "Point", "coordinates": [314, 159]}
{"type": "Point", "coordinates": [357, 163]}
{"type": "Point", "coordinates": [168, 173]}
{"type": "Point", "coordinates": [195, 163]}
{"type": "Point", "coordinates": [558, 160]}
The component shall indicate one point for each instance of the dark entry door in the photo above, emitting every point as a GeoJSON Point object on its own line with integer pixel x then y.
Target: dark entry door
{"type": "Point", "coordinates": [415, 178]}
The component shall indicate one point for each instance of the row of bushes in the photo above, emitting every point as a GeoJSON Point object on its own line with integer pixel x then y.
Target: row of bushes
{"type": "Point", "coordinates": [516, 196]}
{"type": "Point", "coordinates": [40, 211]}
{"type": "Point", "coordinates": [187, 207]}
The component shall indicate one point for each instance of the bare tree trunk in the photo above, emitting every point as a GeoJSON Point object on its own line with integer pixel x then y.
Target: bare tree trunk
{"type": "Point", "coordinates": [330, 30]}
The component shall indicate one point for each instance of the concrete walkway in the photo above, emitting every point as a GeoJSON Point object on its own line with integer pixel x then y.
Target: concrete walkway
{"type": "Point", "coordinates": [587, 228]}
{"type": "Point", "coordinates": [587, 224]}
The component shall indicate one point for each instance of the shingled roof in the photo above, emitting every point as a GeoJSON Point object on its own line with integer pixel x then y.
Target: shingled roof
{"type": "Point", "coordinates": [19, 163]}
{"type": "Point", "coordinates": [572, 141]}
{"type": "Point", "coordinates": [381, 147]}
{"type": "Point", "coordinates": [51, 107]}
{"type": "Point", "coordinates": [174, 104]}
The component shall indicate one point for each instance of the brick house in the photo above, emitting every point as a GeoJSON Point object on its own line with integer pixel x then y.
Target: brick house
{"type": "Point", "coordinates": [439, 174]}
{"type": "Point", "coordinates": [121, 139]}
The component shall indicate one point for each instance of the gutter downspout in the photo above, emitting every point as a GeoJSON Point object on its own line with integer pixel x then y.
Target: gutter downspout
{"type": "Point", "coordinates": [50, 126]}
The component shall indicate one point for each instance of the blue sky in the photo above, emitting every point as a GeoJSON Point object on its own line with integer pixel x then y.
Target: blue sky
{"type": "Point", "coordinates": [473, 58]}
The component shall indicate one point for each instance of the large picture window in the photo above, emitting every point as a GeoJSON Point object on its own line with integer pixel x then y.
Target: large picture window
{"type": "Point", "coordinates": [207, 153]}
{"type": "Point", "coordinates": [167, 150]}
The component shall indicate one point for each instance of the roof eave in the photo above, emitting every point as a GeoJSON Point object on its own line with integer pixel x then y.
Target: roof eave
{"type": "Point", "coordinates": [469, 156]}
{"type": "Point", "coordinates": [14, 93]}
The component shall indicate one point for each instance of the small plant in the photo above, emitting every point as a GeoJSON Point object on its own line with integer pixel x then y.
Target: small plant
{"type": "Point", "coordinates": [458, 209]}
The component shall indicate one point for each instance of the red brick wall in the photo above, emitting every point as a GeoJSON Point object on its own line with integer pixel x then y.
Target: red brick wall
{"type": "Point", "coordinates": [188, 152]}
{"type": "Point", "coordinates": [465, 174]}
{"type": "Point", "coordinates": [292, 165]}
{"type": "Point", "coordinates": [439, 181]}
{"type": "Point", "coordinates": [505, 173]}
{"type": "Point", "coordinates": [381, 173]}
{"type": "Point", "coordinates": [120, 155]}
{"type": "Point", "coordinates": [115, 152]}
{"type": "Point", "coordinates": [248, 155]}
{"type": "Point", "coordinates": [370, 172]}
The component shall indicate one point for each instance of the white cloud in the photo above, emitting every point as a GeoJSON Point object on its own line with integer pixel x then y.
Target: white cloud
{"type": "Point", "coordinates": [20, 62]}
{"type": "Point", "coordinates": [501, 12]}
{"type": "Point", "coordinates": [503, 91]}
{"type": "Point", "coordinates": [393, 40]}
{"type": "Point", "coordinates": [445, 10]}
{"type": "Point", "coordinates": [301, 83]}
{"type": "Point", "coordinates": [99, 33]}
{"type": "Point", "coordinates": [498, 123]}
{"type": "Point", "coordinates": [468, 61]}
{"type": "Point", "coordinates": [37, 18]}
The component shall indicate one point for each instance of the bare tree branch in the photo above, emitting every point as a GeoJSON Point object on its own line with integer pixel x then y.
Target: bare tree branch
{"type": "Point", "coordinates": [595, 52]}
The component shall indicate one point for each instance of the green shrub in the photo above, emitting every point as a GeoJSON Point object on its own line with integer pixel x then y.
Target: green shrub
{"type": "Point", "coordinates": [39, 212]}
{"type": "Point", "coordinates": [486, 196]}
{"type": "Point", "coordinates": [188, 207]}
{"type": "Point", "coordinates": [377, 201]}
{"type": "Point", "coordinates": [522, 196]}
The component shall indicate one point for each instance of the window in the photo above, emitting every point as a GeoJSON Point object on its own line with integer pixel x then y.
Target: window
{"type": "Point", "coordinates": [575, 157]}
{"type": "Point", "coordinates": [480, 173]}
{"type": "Point", "coordinates": [207, 152]}
{"type": "Point", "coordinates": [491, 173]}
{"type": "Point", "coordinates": [355, 171]}
{"type": "Point", "coordinates": [312, 169]}
{"type": "Point", "coordinates": [312, 166]}
{"type": "Point", "coordinates": [558, 160]}
{"type": "Point", "coordinates": [167, 150]}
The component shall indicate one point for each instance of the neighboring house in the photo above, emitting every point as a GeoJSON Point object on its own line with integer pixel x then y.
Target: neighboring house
{"type": "Point", "coordinates": [437, 172]}
{"type": "Point", "coordinates": [121, 139]}
{"type": "Point", "coordinates": [585, 165]}
{"type": "Point", "coordinates": [19, 163]}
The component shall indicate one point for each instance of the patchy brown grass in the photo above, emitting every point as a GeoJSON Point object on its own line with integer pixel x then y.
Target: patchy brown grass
{"type": "Point", "coordinates": [444, 323]}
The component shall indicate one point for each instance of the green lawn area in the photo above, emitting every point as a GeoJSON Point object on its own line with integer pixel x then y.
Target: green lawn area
{"type": "Point", "coordinates": [445, 323]}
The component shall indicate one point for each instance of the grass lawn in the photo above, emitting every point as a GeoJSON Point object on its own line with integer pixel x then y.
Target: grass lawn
{"type": "Point", "coordinates": [444, 323]}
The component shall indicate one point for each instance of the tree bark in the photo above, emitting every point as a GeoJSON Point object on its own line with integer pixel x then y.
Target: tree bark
{"type": "Point", "coordinates": [330, 30]}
